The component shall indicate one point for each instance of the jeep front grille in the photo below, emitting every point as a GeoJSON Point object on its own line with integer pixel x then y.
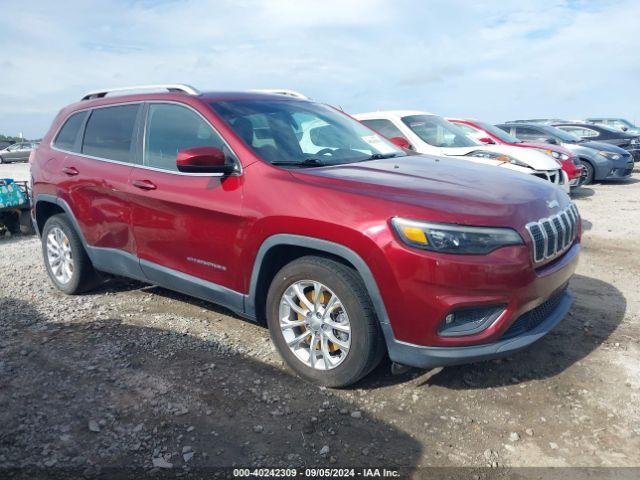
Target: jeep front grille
{"type": "Point", "coordinates": [552, 236]}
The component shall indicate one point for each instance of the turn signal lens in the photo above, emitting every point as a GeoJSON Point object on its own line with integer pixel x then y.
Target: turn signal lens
{"type": "Point", "coordinates": [415, 235]}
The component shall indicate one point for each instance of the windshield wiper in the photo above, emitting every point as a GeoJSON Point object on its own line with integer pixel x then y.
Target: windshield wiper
{"type": "Point", "coordinates": [379, 156]}
{"type": "Point", "coordinates": [308, 162]}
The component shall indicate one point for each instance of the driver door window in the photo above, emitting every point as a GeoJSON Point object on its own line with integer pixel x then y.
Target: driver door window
{"type": "Point", "coordinates": [172, 128]}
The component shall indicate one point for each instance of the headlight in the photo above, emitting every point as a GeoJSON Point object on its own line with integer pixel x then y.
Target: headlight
{"type": "Point", "coordinates": [447, 238]}
{"type": "Point", "coordinates": [611, 155]}
{"type": "Point", "coordinates": [555, 155]}
{"type": "Point", "coordinates": [501, 157]}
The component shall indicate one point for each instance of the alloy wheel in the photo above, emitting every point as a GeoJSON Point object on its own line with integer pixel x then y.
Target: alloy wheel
{"type": "Point", "coordinates": [315, 324]}
{"type": "Point", "coordinates": [59, 255]}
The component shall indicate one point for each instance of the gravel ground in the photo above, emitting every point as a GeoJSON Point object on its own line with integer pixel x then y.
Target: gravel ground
{"type": "Point", "coordinates": [136, 376]}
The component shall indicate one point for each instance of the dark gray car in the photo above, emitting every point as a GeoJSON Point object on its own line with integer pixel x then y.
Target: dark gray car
{"type": "Point", "coordinates": [602, 133]}
{"type": "Point", "coordinates": [18, 152]}
{"type": "Point", "coordinates": [601, 161]}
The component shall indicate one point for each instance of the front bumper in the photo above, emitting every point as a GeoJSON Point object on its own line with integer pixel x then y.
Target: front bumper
{"type": "Point", "coordinates": [557, 177]}
{"type": "Point", "coordinates": [579, 178]}
{"type": "Point", "coordinates": [430, 357]}
{"type": "Point", "coordinates": [634, 150]}
{"type": "Point", "coordinates": [621, 170]}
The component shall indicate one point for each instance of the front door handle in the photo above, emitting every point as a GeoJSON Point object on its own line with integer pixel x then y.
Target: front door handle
{"type": "Point", "coordinates": [71, 171]}
{"type": "Point", "coordinates": [144, 184]}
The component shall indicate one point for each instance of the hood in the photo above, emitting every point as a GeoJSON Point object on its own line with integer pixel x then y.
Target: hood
{"type": "Point", "coordinates": [545, 146]}
{"type": "Point", "coordinates": [535, 159]}
{"type": "Point", "coordinates": [532, 158]}
{"type": "Point", "coordinates": [578, 149]}
{"type": "Point", "coordinates": [607, 147]}
{"type": "Point", "coordinates": [446, 189]}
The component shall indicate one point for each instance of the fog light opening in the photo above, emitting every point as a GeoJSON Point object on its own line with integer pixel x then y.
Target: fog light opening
{"type": "Point", "coordinates": [469, 321]}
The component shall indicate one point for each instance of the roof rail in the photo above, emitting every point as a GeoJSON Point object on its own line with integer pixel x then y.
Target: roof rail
{"type": "Point", "coordinates": [282, 91]}
{"type": "Point", "coordinates": [171, 87]}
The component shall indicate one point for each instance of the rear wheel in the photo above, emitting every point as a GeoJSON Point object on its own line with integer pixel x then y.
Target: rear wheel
{"type": "Point", "coordinates": [322, 321]}
{"type": "Point", "coordinates": [588, 172]}
{"type": "Point", "coordinates": [66, 261]}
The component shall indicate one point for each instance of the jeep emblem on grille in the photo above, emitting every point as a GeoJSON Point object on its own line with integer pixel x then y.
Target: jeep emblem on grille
{"type": "Point", "coordinates": [552, 203]}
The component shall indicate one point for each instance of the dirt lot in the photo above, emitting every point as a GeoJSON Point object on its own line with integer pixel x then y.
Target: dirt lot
{"type": "Point", "coordinates": [136, 376]}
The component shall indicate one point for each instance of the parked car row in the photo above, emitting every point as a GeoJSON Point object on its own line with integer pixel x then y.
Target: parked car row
{"type": "Point", "coordinates": [419, 242]}
{"type": "Point", "coordinates": [432, 134]}
{"type": "Point", "coordinates": [584, 152]}
{"type": "Point", "coordinates": [601, 161]}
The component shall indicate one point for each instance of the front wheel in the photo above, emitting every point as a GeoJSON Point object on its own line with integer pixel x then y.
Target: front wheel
{"type": "Point", "coordinates": [588, 173]}
{"type": "Point", "coordinates": [322, 321]}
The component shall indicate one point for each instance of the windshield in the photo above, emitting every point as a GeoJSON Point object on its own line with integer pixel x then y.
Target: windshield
{"type": "Point", "coordinates": [498, 133]}
{"type": "Point", "coordinates": [301, 133]}
{"type": "Point", "coordinates": [562, 135]}
{"type": "Point", "coordinates": [436, 131]}
{"type": "Point", "coordinates": [621, 122]}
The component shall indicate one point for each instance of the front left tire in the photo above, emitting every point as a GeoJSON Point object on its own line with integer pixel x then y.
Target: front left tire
{"type": "Point", "coordinates": [322, 321]}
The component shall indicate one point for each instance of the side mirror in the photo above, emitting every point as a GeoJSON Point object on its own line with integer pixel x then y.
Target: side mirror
{"type": "Point", "coordinates": [203, 160]}
{"type": "Point", "coordinates": [624, 129]}
{"type": "Point", "coordinates": [401, 142]}
{"type": "Point", "coordinates": [487, 140]}
{"type": "Point", "coordinates": [552, 141]}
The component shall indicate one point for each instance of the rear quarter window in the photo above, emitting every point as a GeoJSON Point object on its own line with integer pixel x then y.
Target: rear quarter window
{"type": "Point", "coordinates": [68, 134]}
{"type": "Point", "coordinates": [109, 133]}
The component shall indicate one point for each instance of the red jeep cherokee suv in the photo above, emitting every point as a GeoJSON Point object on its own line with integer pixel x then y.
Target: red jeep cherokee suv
{"type": "Point", "coordinates": [288, 211]}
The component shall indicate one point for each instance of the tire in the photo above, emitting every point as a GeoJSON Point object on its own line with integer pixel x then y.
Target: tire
{"type": "Point", "coordinates": [1, 160]}
{"type": "Point", "coordinates": [366, 346]}
{"type": "Point", "coordinates": [589, 172]}
{"type": "Point", "coordinates": [10, 221]}
{"type": "Point", "coordinates": [83, 277]}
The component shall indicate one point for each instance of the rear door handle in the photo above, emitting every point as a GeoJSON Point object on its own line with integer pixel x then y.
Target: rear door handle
{"type": "Point", "coordinates": [144, 184]}
{"type": "Point", "coordinates": [71, 171]}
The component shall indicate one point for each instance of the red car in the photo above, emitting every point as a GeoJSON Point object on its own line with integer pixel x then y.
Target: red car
{"type": "Point", "coordinates": [289, 212]}
{"type": "Point", "coordinates": [487, 133]}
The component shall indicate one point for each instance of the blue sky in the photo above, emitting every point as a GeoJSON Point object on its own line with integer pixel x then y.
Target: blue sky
{"type": "Point", "coordinates": [490, 59]}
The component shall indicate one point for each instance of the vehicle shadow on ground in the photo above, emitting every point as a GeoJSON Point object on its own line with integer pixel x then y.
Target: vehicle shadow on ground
{"type": "Point", "coordinates": [15, 238]}
{"type": "Point", "coordinates": [586, 225]}
{"type": "Point", "coordinates": [582, 193]}
{"type": "Point", "coordinates": [108, 394]}
{"type": "Point", "coordinates": [598, 309]}
{"type": "Point", "coordinates": [625, 181]}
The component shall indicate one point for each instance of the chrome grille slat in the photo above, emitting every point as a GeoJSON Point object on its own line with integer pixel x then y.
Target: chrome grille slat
{"type": "Point", "coordinates": [572, 222]}
{"type": "Point", "coordinates": [557, 224]}
{"type": "Point", "coordinates": [553, 235]}
{"type": "Point", "coordinates": [567, 228]}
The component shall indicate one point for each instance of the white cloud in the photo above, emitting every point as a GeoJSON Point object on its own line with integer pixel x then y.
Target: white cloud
{"type": "Point", "coordinates": [489, 59]}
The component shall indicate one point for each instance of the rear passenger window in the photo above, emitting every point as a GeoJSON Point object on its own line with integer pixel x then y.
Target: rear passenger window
{"type": "Point", "coordinates": [172, 128]}
{"type": "Point", "coordinates": [68, 134]}
{"type": "Point", "coordinates": [109, 133]}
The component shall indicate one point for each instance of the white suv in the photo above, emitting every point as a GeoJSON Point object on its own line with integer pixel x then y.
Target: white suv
{"type": "Point", "coordinates": [432, 134]}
